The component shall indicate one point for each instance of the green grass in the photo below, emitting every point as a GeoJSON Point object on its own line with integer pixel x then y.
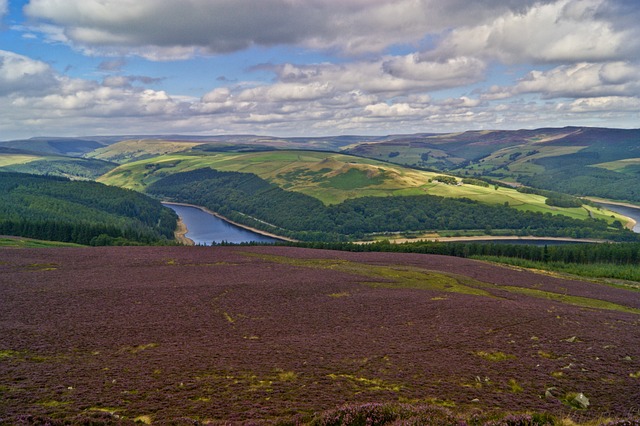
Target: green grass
{"type": "Point", "coordinates": [12, 159]}
{"type": "Point", "coordinates": [19, 242]}
{"type": "Point", "coordinates": [494, 356]}
{"type": "Point", "coordinates": [628, 165]}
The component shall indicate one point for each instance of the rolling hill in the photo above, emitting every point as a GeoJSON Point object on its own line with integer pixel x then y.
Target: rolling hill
{"type": "Point", "coordinates": [577, 160]}
{"type": "Point", "coordinates": [461, 167]}
{"type": "Point", "coordinates": [31, 162]}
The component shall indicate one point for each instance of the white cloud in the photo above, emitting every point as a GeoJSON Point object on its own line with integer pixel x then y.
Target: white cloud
{"type": "Point", "coordinates": [21, 74]}
{"type": "Point", "coordinates": [583, 80]}
{"type": "Point", "coordinates": [562, 31]}
{"type": "Point", "coordinates": [3, 7]}
{"type": "Point", "coordinates": [606, 104]}
{"type": "Point", "coordinates": [166, 29]}
{"type": "Point", "coordinates": [391, 74]}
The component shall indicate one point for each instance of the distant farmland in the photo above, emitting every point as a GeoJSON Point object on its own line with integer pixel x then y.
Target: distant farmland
{"type": "Point", "coordinates": [185, 334]}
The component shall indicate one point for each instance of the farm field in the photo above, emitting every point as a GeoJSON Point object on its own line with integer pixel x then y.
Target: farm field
{"type": "Point", "coordinates": [267, 334]}
{"type": "Point", "coordinates": [334, 178]}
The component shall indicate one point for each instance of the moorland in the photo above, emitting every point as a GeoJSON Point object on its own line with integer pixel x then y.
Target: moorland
{"type": "Point", "coordinates": [277, 335]}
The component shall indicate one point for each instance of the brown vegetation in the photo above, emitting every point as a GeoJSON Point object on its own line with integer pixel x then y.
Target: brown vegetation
{"type": "Point", "coordinates": [241, 333]}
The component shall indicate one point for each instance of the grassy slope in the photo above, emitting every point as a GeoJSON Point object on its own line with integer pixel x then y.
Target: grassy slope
{"type": "Point", "coordinates": [330, 177]}
{"type": "Point", "coordinates": [628, 165]}
{"type": "Point", "coordinates": [17, 159]}
{"type": "Point", "coordinates": [132, 150]}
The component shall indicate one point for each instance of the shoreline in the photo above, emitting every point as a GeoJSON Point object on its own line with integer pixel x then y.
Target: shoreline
{"type": "Point", "coordinates": [180, 234]}
{"type": "Point", "coordinates": [632, 222]}
{"type": "Point", "coordinates": [219, 216]}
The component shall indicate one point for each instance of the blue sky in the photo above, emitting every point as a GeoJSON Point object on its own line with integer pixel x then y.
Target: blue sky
{"type": "Point", "coordinates": [315, 67]}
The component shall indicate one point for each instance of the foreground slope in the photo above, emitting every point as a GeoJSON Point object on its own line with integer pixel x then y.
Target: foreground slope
{"type": "Point", "coordinates": [263, 333]}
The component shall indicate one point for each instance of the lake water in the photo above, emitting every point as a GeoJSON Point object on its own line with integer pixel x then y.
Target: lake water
{"type": "Point", "coordinates": [205, 228]}
{"type": "Point", "coordinates": [632, 212]}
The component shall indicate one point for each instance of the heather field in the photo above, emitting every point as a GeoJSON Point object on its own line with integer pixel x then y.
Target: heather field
{"type": "Point", "coordinates": [179, 335]}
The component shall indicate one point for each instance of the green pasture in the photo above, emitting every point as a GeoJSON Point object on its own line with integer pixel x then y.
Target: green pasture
{"type": "Point", "coordinates": [20, 242]}
{"type": "Point", "coordinates": [333, 178]}
{"type": "Point", "coordinates": [628, 165]}
{"type": "Point", "coordinates": [13, 159]}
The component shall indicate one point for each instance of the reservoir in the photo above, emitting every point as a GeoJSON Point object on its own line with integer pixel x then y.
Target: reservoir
{"type": "Point", "coordinates": [205, 228]}
{"type": "Point", "coordinates": [632, 212]}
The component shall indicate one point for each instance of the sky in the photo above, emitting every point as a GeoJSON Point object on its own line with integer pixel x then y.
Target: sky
{"type": "Point", "coordinates": [315, 67]}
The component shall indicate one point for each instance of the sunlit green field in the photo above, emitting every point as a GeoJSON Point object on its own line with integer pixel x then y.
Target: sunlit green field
{"type": "Point", "coordinates": [11, 159]}
{"type": "Point", "coordinates": [19, 242]}
{"type": "Point", "coordinates": [628, 165]}
{"type": "Point", "coordinates": [333, 178]}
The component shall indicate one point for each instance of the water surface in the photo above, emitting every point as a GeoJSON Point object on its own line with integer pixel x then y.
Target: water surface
{"type": "Point", "coordinates": [205, 228]}
{"type": "Point", "coordinates": [632, 212]}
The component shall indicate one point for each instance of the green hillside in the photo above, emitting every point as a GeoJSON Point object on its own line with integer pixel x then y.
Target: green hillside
{"type": "Point", "coordinates": [138, 149]}
{"type": "Point", "coordinates": [57, 209]}
{"type": "Point", "coordinates": [22, 161]}
{"type": "Point", "coordinates": [333, 178]}
{"type": "Point", "coordinates": [577, 160]}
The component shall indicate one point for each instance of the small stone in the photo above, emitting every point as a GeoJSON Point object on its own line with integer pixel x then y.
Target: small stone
{"type": "Point", "coordinates": [580, 401]}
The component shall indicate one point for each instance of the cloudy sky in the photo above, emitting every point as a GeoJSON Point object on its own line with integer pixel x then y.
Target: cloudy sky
{"type": "Point", "coordinates": [315, 67]}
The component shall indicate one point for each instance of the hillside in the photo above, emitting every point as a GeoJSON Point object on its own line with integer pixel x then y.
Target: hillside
{"type": "Point", "coordinates": [167, 335]}
{"type": "Point", "coordinates": [23, 161]}
{"type": "Point", "coordinates": [333, 178]}
{"type": "Point", "coordinates": [71, 147]}
{"type": "Point", "coordinates": [137, 149]}
{"type": "Point", "coordinates": [577, 160]}
{"type": "Point", "coordinates": [57, 209]}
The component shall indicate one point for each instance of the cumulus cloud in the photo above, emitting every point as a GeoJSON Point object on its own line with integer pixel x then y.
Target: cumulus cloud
{"type": "Point", "coordinates": [562, 31]}
{"type": "Point", "coordinates": [112, 65]}
{"type": "Point", "coordinates": [584, 54]}
{"type": "Point", "coordinates": [582, 80]}
{"type": "Point", "coordinates": [20, 74]}
{"type": "Point", "coordinates": [391, 74]}
{"type": "Point", "coordinates": [168, 29]}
